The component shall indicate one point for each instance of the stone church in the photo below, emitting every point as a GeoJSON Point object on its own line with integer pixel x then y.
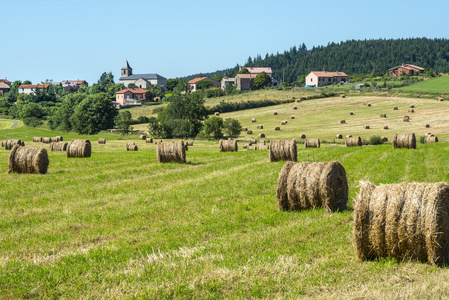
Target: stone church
{"type": "Point", "coordinates": [140, 80]}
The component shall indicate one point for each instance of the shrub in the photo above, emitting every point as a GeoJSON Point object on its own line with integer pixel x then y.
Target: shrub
{"type": "Point", "coordinates": [375, 140]}
{"type": "Point", "coordinates": [232, 127]}
{"type": "Point", "coordinates": [422, 139]}
{"type": "Point", "coordinates": [32, 122]}
{"type": "Point", "coordinates": [142, 119]}
{"type": "Point", "coordinates": [213, 126]}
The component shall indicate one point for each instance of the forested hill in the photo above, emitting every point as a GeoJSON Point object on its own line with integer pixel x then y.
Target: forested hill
{"type": "Point", "coordinates": [351, 57]}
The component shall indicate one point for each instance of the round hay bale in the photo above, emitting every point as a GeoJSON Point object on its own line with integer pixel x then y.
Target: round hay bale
{"type": "Point", "coordinates": [253, 141]}
{"type": "Point", "coordinates": [284, 122]}
{"type": "Point", "coordinates": [59, 146]}
{"type": "Point", "coordinates": [149, 141]}
{"type": "Point", "coordinates": [385, 127]}
{"type": "Point", "coordinates": [3, 143]}
{"type": "Point", "coordinates": [411, 110]}
{"type": "Point", "coordinates": [60, 138]}
{"type": "Point", "coordinates": [263, 147]}
{"type": "Point", "coordinates": [253, 120]}
{"type": "Point", "coordinates": [292, 117]}
{"type": "Point", "coordinates": [348, 136]}
{"type": "Point", "coordinates": [28, 160]}
{"type": "Point", "coordinates": [46, 140]}
{"type": "Point", "coordinates": [383, 115]}
{"type": "Point", "coordinates": [131, 147]}
{"type": "Point", "coordinates": [405, 221]}
{"type": "Point", "coordinates": [246, 145]}
{"type": "Point", "coordinates": [252, 148]}
{"type": "Point", "coordinates": [428, 133]}
{"type": "Point", "coordinates": [142, 137]}
{"type": "Point", "coordinates": [412, 106]}
{"type": "Point", "coordinates": [275, 113]}
{"type": "Point", "coordinates": [430, 139]}
{"type": "Point", "coordinates": [406, 119]}
{"type": "Point", "coordinates": [261, 142]}
{"type": "Point", "coordinates": [189, 143]}
{"type": "Point", "coordinates": [353, 141]}
{"type": "Point", "coordinates": [227, 146]}
{"type": "Point", "coordinates": [22, 143]}
{"type": "Point", "coordinates": [79, 148]}
{"type": "Point", "coordinates": [172, 152]}
{"type": "Point", "coordinates": [302, 136]}
{"type": "Point", "coordinates": [404, 140]}
{"type": "Point", "coordinates": [54, 139]}
{"type": "Point", "coordinates": [368, 104]}
{"type": "Point", "coordinates": [216, 113]}
{"type": "Point", "coordinates": [10, 143]}
{"type": "Point", "coordinates": [339, 136]}
{"type": "Point", "coordinates": [343, 96]}
{"type": "Point", "coordinates": [351, 113]}
{"type": "Point", "coordinates": [277, 128]}
{"type": "Point", "coordinates": [395, 108]}
{"type": "Point", "coordinates": [101, 141]}
{"type": "Point", "coordinates": [312, 184]}
{"type": "Point", "coordinates": [157, 141]}
{"type": "Point", "coordinates": [259, 126]}
{"type": "Point", "coordinates": [342, 121]}
{"type": "Point", "coordinates": [384, 139]}
{"type": "Point", "coordinates": [283, 150]}
{"type": "Point", "coordinates": [244, 128]}
{"type": "Point", "coordinates": [427, 125]}
{"type": "Point", "coordinates": [261, 135]}
{"type": "Point", "coordinates": [312, 143]}
{"type": "Point", "coordinates": [441, 99]}
{"type": "Point", "coordinates": [298, 100]}
{"type": "Point", "coordinates": [365, 103]}
{"type": "Point", "coordinates": [249, 132]}
{"type": "Point", "coordinates": [366, 126]}
{"type": "Point", "coordinates": [294, 107]}
{"type": "Point", "coordinates": [36, 140]}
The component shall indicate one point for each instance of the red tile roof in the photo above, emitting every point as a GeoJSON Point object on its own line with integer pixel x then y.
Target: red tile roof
{"type": "Point", "coordinates": [3, 85]}
{"type": "Point", "coordinates": [328, 74]}
{"type": "Point", "coordinates": [33, 85]}
{"type": "Point", "coordinates": [195, 80]}
{"type": "Point", "coordinates": [257, 70]}
{"type": "Point", "coordinates": [5, 81]}
{"type": "Point", "coordinates": [133, 91]}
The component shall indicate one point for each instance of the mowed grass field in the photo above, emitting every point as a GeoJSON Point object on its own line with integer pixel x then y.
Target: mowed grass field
{"type": "Point", "coordinates": [120, 225]}
{"type": "Point", "coordinates": [433, 85]}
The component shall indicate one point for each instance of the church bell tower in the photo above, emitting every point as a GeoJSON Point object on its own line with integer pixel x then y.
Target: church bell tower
{"type": "Point", "coordinates": [127, 70]}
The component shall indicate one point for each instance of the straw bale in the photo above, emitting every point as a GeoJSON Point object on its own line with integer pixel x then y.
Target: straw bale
{"type": "Point", "coordinates": [302, 136]}
{"type": "Point", "coordinates": [383, 115]}
{"type": "Point", "coordinates": [365, 103]}
{"type": "Point", "coordinates": [428, 133]}
{"type": "Point", "coordinates": [427, 125]}
{"type": "Point", "coordinates": [395, 108]}
{"type": "Point", "coordinates": [28, 160]}
{"type": "Point", "coordinates": [253, 141]}
{"type": "Point", "coordinates": [131, 146]}
{"type": "Point", "coordinates": [37, 139]}
{"type": "Point", "coordinates": [351, 113]}
{"type": "Point", "coordinates": [263, 147]}
{"type": "Point", "coordinates": [60, 138]}
{"type": "Point", "coordinates": [249, 132]}
{"type": "Point", "coordinates": [312, 184]}
{"type": "Point", "coordinates": [46, 140]}
{"type": "Point", "coordinates": [343, 96]}
{"type": "Point", "coordinates": [353, 141]}
{"type": "Point", "coordinates": [332, 145]}
{"type": "Point", "coordinates": [259, 126]}
{"type": "Point", "coordinates": [261, 142]}
{"type": "Point", "coordinates": [101, 141]}
{"type": "Point", "coordinates": [142, 137]}
{"type": "Point", "coordinates": [58, 146]}
{"type": "Point", "coordinates": [261, 135]}
{"type": "Point", "coordinates": [411, 110]}
{"type": "Point", "coordinates": [385, 127]}
{"type": "Point", "coordinates": [157, 141]}
{"type": "Point", "coordinates": [54, 139]}
{"type": "Point", "coordinates": [275, 113]}
{"type": "Point", "coordinates": [405, 221]}
{"type": "Point", "coordinates": [298, 100]}
{"type": "Point", "coordinates": [244, 128]}
{"type": "Point", "coordinates": [252, 148]}
{"type": "Point", "coordinates": [79, 148]}
{"type": "Point", "coordinates": [366, 126]}
{"type": "Point", "coordinates": [277, 128]}
{"type": "Point", "coordinates": [246, 145]}
{"type": "Point", "coordinates": [149, 141]}
{"type": "Point", "coordinates": [227, 146]}
{"type": "Point", "coordinates": [284, 122]}
{"type": "Point", "coordinates": [292, 117]}
{"type": "Point", "coordinates": [404, 140]}
{"type": "Point", "coordinates": [216, 113]}
{"type": "Point", "coordinates": [338, 136]}
{"type": "Point", "coordinates": [253, 120]}
{"type": "Point", "coordinates": [283, 150]}
{"type": "Point", "coordinates": [348, 136]}
{"type": "Point", "coordinates": [441, 99]}
{"type": "Point", "coordinates": [430, 139]}
{"type": "Point", "coordinates": [412, 106]}
{"type": "Point", "coordinates": [10, 143]}
{"type": "Point", "coordinates": [312, 143]}
{"type": "Point", "coordinates": [368, 104]}
{"type": "Point", "coordinates": [342, 121]}
{"type": "Point", "coordinates": [406, 119]}
{"type": "Point", "coordinates": [171, 152]}
{"type": "Point", "coordinates": [294, 107]}
{"type": "Point", "coordinates": [189, 143]}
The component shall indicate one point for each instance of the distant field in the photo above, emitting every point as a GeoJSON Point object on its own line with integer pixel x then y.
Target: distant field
{"type": "Point", "coordinates": [433, 85]}
{"type": "Point", "coordinates": [7, 124]}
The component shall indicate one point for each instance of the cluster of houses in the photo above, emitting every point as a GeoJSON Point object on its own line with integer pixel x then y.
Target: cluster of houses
{"type": "Point", "coordinates": [134, 94]}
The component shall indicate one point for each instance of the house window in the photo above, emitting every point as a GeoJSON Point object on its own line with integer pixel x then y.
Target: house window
{"type": "Point", "coordinates": [311, 79]}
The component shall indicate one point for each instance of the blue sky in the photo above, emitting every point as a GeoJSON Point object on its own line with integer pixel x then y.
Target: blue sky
{"type": "Point", "coordinates": [81, 39]}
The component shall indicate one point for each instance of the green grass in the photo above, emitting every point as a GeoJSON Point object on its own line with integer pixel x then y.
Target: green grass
{"type": "Point", "coordinates": [120, 225]}
{"type": "Point", "coordinates": [433, 85]}
{"type": "Point", "coordinates": [7, 124]}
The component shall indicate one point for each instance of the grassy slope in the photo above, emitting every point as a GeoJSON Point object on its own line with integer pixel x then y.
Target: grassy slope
{"type": "Point", "coordinates": [119, 224]}
{"type": "Point", "coordinates": [434, 85]}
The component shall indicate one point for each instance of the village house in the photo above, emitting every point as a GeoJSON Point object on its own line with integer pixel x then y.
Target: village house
{"type": "Point", "coordinates": [142, 81]}
{"type": "Point", "coordinates": [193, 83]}
{"type": "Point", "coordinates": [323, 78]}
{"type": "Point", "coordinates": [5, 86]}
{"type": "Point", "coordinates": [405, 69]}
{"type": "Point", "coordinates": [257, 70]}
{"type": "Point", "coordinates": [227, 82]}
{"type": "Point", "coordinates": [130, 97]}
{"type": "Point", "coordinates": [31, 88]}
{"type": "Point", "coordinates": [245, 82]}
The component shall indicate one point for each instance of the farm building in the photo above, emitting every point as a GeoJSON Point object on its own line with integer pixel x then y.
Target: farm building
{"type": "Point", "coordinates": [193, 83]}
{"type": "Point", "coordinates": [257, 70]}
{"type": "Point", "coordinates": [322, 78]}
{"type": "Point", "coordinates": [405, 69]}
{"type": "Point", "coordinates": [140, 80]}
{"type": "Point", "coordinates": [31, 88]}
{"type": "Point", "coordinates": [245, 81]}
{"type": "Point", "coordinates": [5, 86]}
{"type": "Point", "coordinates": [225, 82]}
{"type": "Point", "coordinates": [130, 97]}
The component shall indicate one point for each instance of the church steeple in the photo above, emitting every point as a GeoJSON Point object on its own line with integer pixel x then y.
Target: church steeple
{"type": "Point", "coordinates": [127, 70]}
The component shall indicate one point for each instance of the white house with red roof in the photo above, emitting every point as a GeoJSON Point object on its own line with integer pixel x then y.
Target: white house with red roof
{"type": "Point", "coordinates": [322, 78]}
{"type": "Point", "coordinates": [193, 83]}
{"type": "Point", "coordinates": [31, 88]}
{"type": "Point", "coordinates": [130, 97]}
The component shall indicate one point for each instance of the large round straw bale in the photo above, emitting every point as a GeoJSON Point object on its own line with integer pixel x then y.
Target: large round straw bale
{"type": "Point", "coordinates": [406, 119]}
{"type": "Point", "coordinates": [54, 139]}
{"type": "Point", "coordinates": [253, 120]}
{"type": "Point", "coordinates": [244, 128]}
{"type": "Point", "coordinates": [189, 143]}
{"type": "Point", "coordinates": [275, 113]}
{"type": "Point", "coordinates": [412, 106]}
{"type": "Point", "coordinates": [342, 121]}
{"type": "Point", "coordinates": [294, 107]}
{"type": "Point", "coordinates": [131, 147]}
{"type": "Point", "coordinates": [428, 133]}
{"type": "Point", "coordinates": [302, 136]}
{"type": "Point", "coordinates": [366, 126]}
{"type": "Point", "coordinates": [227, 146]}
{"type": "Point", "coordinates": [298, 100]}
{"type": "Point", "coordinates": [60, 138]}
{"type": "Point", "coordinates": [351, 113]}
{"type": "Point", "coordinates": [395, 108]}
{"type": "Point", "coordinates": [157, 141]}
{"type": "Point", "coordinates": [365, 103]}
{"type": "Point", "coordinates": [277, 128]}
{"type": "Point", "coordinates": [427, 125]}
{"type": "Point", "coordinates": [3, 143]}
{"type": "Point", "coordinates": [343, 96]}
{"type": "Point", "coordinates": [28, 160]}
{"type": "Point", "coordinates": [312, 184]}
{"type": "Point", "coordinates": [385, 127]}
{"type": "Point", "coordinates": [284, 122]}
{"type": "Point", "coordinates": [283, 150]}
{"type": "Point", "coordinates": [348, 136]}
{"type": "Point", "coordinates": [171, 151]}
{"type": "Point", "coordinates": [368, 104]}
{"type": "Point", "coordinates": [261, 142]}
{"type": "Point", "coordinates": [246, 145]}
{"type": "Point", "coordinates": [249, 132]}
{"type": "Point", "coordinates": [251, 148]}
{"type": "Point", "coordinates": [101, 141]}
{"type": "Point", "coordinates": [353, 141]}
{"type": "Point", "coordinates": [430, 139]}
{"type": "Point", "coordinates": [292, 117]}
{"type": "Point", "coordinates": [404, 140]}
{"type": "Point", "coordinates": [338, 136]}
{"type": "Point", "coordinates": [259, 126]}
{"type": "Point", "coordinates": [441, 99]}
{"type": "Point", "coordinates": [383, 115]}
{"type": "Point", "coordinates": [405, 221]}
{"type": "Point", "coordinates": [142, 137]}
{"type": "Point", "coordinates": [9, 144]}
{"type": "Point", "coordinates": [261, 135]}
{"type": "Point", "coordinates": [59, 146]}
{"type": "Point", "coordinates": [411, 110]}
{"type": "Point", "coordinates": [263, 147]}
{"type": "Point", "coordinates": [217, 113]}
{"type": "Point", "coordinates": [79, 148]}
{"type": "Point", "coordinates": [46, 140]}
{"type": "Point", "coordinates": [253, 141]}
{"type": "Point", "coordinates": [37, 139]}
{"type": "Point", "coordinates": [312, 143]}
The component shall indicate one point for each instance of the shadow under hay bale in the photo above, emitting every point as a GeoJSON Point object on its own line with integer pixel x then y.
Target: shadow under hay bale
{"type": "Point", "coordinates": [259, 126]}
{"type": "Point", "coordinates": [59, 146]}
{"type": "Point", "coordinates": [283, 150]}
{"type": "Point", "coordinates": [404, 140]}
{"type": "Point", "coordinates": [339, 136]}
{"type": "Point", "coordinates": [355, 141]}
{"type": "Point", "coordinates": [227, 146]}
{"type": "Point", "coordinates": [277, 128]}
{"type": "Point", "coordinates": [28, 160]}
{"type": "Point", "coordinates": [131, 147]}
{"type": "Point", "coordinates": [37, 139]}
{"type": "Point", "coordinates": [312, 143]}
{"type": "Point", "coordinates": [142, 137]}
{"type": "Point", "coordinates": [430, 139]}
{"type": "Point", "coordinates": [312, 184]}
{"type": "Point", "coordinates": [101, 141]}
{"type": "Point", "coordinates": [9, 144]}
{"type": "Point", "coordinates": [79, 148]}
{"type": "Point", "coordinates": [46, 140]}
{"type": "Point", "coordinates": [404, 221]}
{"type": "Point", "coordinates": [383, 115]}
{"type": "Point", "coordinates": [171, 152]}
{"type": "Point", "coordinates": [261, 135]}
{"type": "Point", "coordinates": [406, 119]}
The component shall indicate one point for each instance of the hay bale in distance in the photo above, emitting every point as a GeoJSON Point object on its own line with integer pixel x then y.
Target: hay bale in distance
{"type": "Point", "coordinates": [216, 113]}
{"type": "Point", "coordinates": [283, 150]}
{"type": "Point", "coordinates": [383, 115]}
{"type": "Point", "coordinates": [275, 113]}
{"type": "Point", "coordinates": [263, 147]}
{"type": "Point", "coordinates": [142, 137]}
{"type": "Point", "coordinates": [253, 120]}
{"type": "Point", "coordinates": [284, 122]}
{"type": "Point", "coordinates": [412, 106]}
{"type": "Point", "coordinates": [37, 139]}
{"type": "Point", "coordinates": [28, 160]}
{"type": "Point", "coordinates": [261, 135]}
{"type": "Point", "coordinates": [366, 126]}
{"type": "Point", "coordinates": [406, 119]}
{"type": "Point", "coordinates": [342, 121]}
{"type": "Point", "coordinates": [343, 96]}
{"type": "Point", "coordinates": [312, 143]}
{"type": "Point", "coordinates": [405, 221]}
{"type": "Point", "coordinates": [427, 125]}
{"type": "Point", "coordinates": [101, 141]}
{"type": "Point", "coordinates": [259, 126]}
{"type": "Point", "coordinates": [251, 148]}
{"type": "Point", "coordinates": [149, 141]}
{"type": "Point", "coordinates": [253, 141]}
{"type": "Point", "coordinates": [244, 129]}
{"type": "Point", "coordinates": [79, 148]}
{"type": "Point", "coordinates": [294, 107]}
{"type": "Point", "coordinates": [338, 136]}
{"type": "Point", "coordinates": [351, 113]}
{"type": "Point", "coordinates": [227, 146]}
{"type": "Point", "coordinates": [189, 143]}
{"type": "Point", "coordinates": [395, 108]}
{"type": "Point", "coordinates": [157, 141]}
{"type": "Point", "coordinates": [355, 141]}
{"type": "Point", "coordinates": [46, 140]}
{"type": "Point", "coordinates": [404, 140]}
{"type": "Point", "coordinates": [261, 142]}
{"type": "Point", "coordinates": [131, 146]}
{"type": "Point", "coordinates": [302, 136]}
{"type": "Point", "coordinates": [411, 110]}
{"type": "Point", "coordinates": [249, 132]}
{"type": "Point", "coordinates": [312, 184]}
{"type": "Point", "coordinates": [277, 128]}
{"type": "Point", "coordinates": [60, 138]}
{"type": "Point", "coordinates": [430, 139]}
{"type": "Point", "coordinates": [368, 104]}
{"type": "Point", "coordinates": [298, 100]}
{"type": "Point", "coordinates": [171, 152]}
{"type": "Point", "coordinates": [246, 145]}
{"type": "Point", "coordinates": [385, 127]}
{"type": "Point", "coordinates": [10, 143]}
{"type": "Point", "coordinates": [292, 117]}
{"type": "Point", "coordinates": [59, 146]}
{"type": "Point", "coordinates": [54, 139]}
